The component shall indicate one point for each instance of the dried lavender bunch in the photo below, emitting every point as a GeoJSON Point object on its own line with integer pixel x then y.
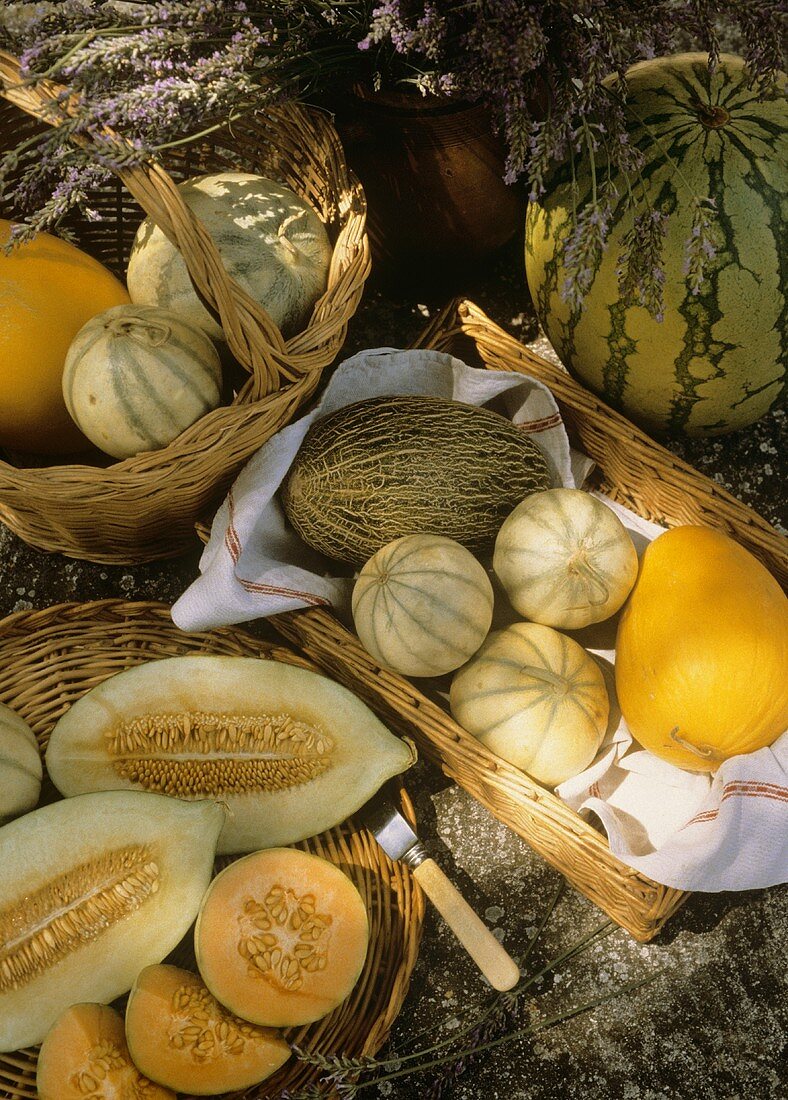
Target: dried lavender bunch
{"type": "Point", "coordinates": [165, 72]}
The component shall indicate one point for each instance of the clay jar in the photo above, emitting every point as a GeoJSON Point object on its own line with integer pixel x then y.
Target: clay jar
{"type": "Point", "coordinates": [432, 170]}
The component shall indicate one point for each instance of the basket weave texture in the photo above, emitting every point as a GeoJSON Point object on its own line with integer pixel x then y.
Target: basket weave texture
{"type": "Point", "coordinates": [49, 658]}
{"type": "Point", "coordinates": [145, 507]}
{"type": "Point", "coordinates": [641, 475]}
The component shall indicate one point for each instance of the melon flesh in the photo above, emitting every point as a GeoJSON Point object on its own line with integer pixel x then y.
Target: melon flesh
{"type": "Point", "coordinates": [92, 889]}
{"type": "Point", "coordinates": [281, 937]}
{"type": "Point", "coordinates": [84, 1057]}
{"type": "Point", "coordinates": [180, 1036]}
{"type": "Point", "coordinates": [289, 752]}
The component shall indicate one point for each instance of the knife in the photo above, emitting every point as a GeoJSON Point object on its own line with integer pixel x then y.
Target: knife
{"type": "Point", "coordinates": [399, 842]}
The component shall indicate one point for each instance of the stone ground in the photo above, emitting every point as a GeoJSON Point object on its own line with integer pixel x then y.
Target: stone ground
{"type": "Point", "coordinates": [711, 1022]}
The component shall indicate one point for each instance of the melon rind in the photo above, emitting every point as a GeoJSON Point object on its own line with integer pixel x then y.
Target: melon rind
{"type": "Point", "coordinates": [45, 844]}
{"type": "Point", "coordinates": [20, 765]}
{"type": "Point", "coordinates": [242, 213]}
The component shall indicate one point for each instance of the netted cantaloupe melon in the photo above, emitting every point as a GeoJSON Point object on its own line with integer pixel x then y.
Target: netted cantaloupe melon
{"type": "Point", "coordinates": [281, 937]}
{"type": "Point", "coordinates": [179, 1035]}
{"type": "Point", "coordinates": [92, 889]}
{"type": "Point", "coordinates": [84, 1056]}
{"type": "Point", "coordinates": [289, 752]}
{"type": "Point", "coordinates": [391, 466]}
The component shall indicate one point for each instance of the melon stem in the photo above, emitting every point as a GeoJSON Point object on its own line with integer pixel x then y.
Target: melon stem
{"type": "Point", "coordinates": [148, 332]}
{"type": "Point", "coordinates": [706, 752]}
{"type": "Point", "coordinates": [594, 579]}
{"type": "Point", "coordinates": [546, 676]}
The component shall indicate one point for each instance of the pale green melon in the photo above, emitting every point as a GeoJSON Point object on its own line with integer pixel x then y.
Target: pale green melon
{"type": "Point", "coordinates": [91, 890]}
{"type": "Point", "coordinates": [422, 605]}
{"type": "Point", "coordinates": [136, 376]}
{"type": "Point", "coordinates": [717, 361]}
{"type": "Point", "coordinates": [288, 751]}
{"type": "Point", "coordinates": [271, 241]}
{"type": "Point", "coordinates": [20, 765]}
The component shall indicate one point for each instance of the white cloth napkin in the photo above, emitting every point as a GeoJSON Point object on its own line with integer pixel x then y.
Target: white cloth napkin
{"type": "Point", "coordinates": [728, 831]}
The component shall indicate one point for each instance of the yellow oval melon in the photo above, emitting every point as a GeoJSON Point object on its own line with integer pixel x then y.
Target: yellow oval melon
{"type": "Point", "coordinates": [702, 651]}
{"type": "Point", "coordinates": [281, 937]}
{"type": "Point", "coordinates": [180, 1036]}
{"type": "Point", "coordinates": [84, 1056]}
{"type": "Point", "coordinates": [48, 290]}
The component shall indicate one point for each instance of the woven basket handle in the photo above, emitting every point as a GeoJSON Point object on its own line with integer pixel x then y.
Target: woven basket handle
{"type": "Point", "coordinates": [251, 335]}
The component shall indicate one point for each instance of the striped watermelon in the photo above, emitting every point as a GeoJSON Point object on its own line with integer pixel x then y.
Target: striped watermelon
{"type": "Point", "coordinates": [135, 377]}
{"type": "Point", "coordinates": [716, 361]}
{"type": "Point", "coordinates": [422, 605]}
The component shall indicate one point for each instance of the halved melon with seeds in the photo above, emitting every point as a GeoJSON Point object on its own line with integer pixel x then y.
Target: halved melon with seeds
{"type": "Point", "coordinates": [180, 1036]}
{"type": "Point", "coordinates": [281, 937]}
{"type": "Point", "coordinates": [290, 752]}
{"type": "Point", "coordinates": [84, 1057]}
{"type": "Point", "coordinates": [91, 890]}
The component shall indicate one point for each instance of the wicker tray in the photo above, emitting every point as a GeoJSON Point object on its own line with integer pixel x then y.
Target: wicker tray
{"type": "Point", "coordinates": [646, 478]}
{"type": "Point", "coordinates": [145, 507]}
{"type": "Point", "coordinates": [50, 658]}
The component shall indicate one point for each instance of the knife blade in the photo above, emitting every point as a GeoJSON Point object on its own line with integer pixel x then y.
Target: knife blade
{"type": "Point", "coordinates": [398, 840]}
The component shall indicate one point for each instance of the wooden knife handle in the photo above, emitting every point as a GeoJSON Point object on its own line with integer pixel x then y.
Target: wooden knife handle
{"type": "Point", "coordinates": [497, 965]}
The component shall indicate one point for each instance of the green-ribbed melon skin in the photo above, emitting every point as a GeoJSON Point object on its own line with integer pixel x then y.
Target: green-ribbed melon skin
{"type": "Point", "coordinates": [379, 469]}
{"type": "Point", "coordinates": [716, 363]}
{"type": "Point", "coordinates": [271, 241]}
{"type": "Point", "coordinates": [136, 376]}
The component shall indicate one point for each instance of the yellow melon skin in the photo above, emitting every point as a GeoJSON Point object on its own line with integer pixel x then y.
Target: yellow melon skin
{"type": "Point", "coordinates": [281, 937]}
{"type": "Point", "coordinates": [84, 1057]}
{"type": "Point", "coordinates": [702, 651]}
{"type": "Point", "coordinates": [48, 290]}
{"type": "Point", "coordinates": [180, 1036]}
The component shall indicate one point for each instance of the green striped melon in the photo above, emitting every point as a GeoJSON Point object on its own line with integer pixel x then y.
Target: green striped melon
{"type": "Point", "coordinates": [271, 241]}
{"type": "Point", "coordinates": [565, 559]}
{"type": "Point", "coordinates": [422, 605]}
{"type": "Point", "coordinates": [385, 467]}
{"type": "Point", "coordinates": [135, 377]}
{"type": "Point", "coordinates": [716, 361]}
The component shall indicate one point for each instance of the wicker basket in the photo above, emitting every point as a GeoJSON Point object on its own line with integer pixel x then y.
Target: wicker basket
{"type": "Point", "coordinates": [646, 478]}
{"type": "Point", "coordinates": [145, 507]}
{"type": "Point", "coordinates": [50, 658]}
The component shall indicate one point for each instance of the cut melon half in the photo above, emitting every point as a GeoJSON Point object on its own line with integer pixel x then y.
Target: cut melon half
{"type": "Point", "coordinates": [281, 937]}
{"type": "Point", "coordinates": [92, 889]}
{"type": "Point", "coordinates": [288, 751]}
{"type": "Point", "coordinates": [180, 1036]}
{"type": "Point", "coordinates": [84, 1057]}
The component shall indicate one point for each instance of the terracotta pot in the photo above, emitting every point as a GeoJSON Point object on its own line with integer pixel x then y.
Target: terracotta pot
{"type": "Point", "coordinates": [433, 173]}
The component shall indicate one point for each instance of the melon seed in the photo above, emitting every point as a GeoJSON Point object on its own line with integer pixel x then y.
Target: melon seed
{"type": "Point", "coordinates": [73, 908]}
{"type": "Point", "coordinates": [199, 753]}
